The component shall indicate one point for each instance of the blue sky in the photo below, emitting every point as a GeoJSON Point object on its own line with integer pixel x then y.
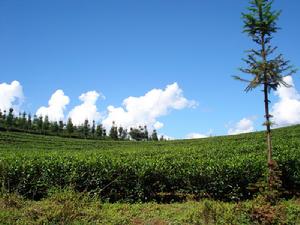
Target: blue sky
{"type": "Point", "coordinates": [127, 48]}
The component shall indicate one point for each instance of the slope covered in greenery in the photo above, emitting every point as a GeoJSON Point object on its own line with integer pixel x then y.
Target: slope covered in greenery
{"type": "Point", "coordinates": [216, 167]}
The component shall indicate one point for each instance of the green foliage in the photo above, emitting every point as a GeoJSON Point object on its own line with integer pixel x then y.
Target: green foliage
{"type": "Point", "coordinates": [122, 133]}
{"type": "Point", "coordinates": [270, 193]}
{"type": "Point", "coordinates": [219, 168]}
{"type": "Point", "coordinates": [93, 129]}
{"type": "Point", "coordinates": [263, 64]}
{"type": "Point", "coordinates": [46, 124]}
{"type": "Point", "coordinates": [10, 118]}
{"type": "Point", "coordinates": [100, 133]}
{"type": "Point", "coordinates": [154, 136]}
{"type": "Point", "coordinates": [40, 125]}
{"type": "Point", "coordinates": [113, 133]}
{"type": "Point", "coordinates": [70, 127]}
{"type": "Point", "coordinates": [139, 134]}
{"type": "Point", "coordinates": [68, 207]}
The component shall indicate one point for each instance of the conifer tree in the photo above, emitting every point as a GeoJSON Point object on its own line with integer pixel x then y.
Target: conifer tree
{"type": "Point", "coordinates": [113, 133]}
{"type": "Point", "coordinates": [29, 122]}
{"type": "Point", "coordinates": [1, 119]}
{"type": "Point", "coordinates": [10, 118]}
{"type": "Point", "coordinates": [99, 131]}
{"type": "Point", "coordinates": [154, 136]}
{"type": "Point", "coordinates": [70, 127]}
{"type": "Point", "coordinates": [146, 133]}
{"type": "Point", "coordinates": [124, 134]}
{"type": "Point", "coordinates": [93, 130]}
{"type": "Point", "coordinates": [61, 126]}
{"type": "Point", "coordinates": [86, 128]}
{"type": "Point", "coordinates": [266, 68]}
{"type": "Point", "coordinates": [40, 124]}
{"type": "Point", "coordinates": [104, 133]}
{"type": "Point", "coordinates": [55, 127]}
{"type": "Point", "coordinates": [4, 115]}
{"type": "Point", "coordinates": [24, 121]}
{"type": "Point", "coordinates": [17, 121]}
{"type": "Point", "coordinates": [46, 124]}
{"type": "Point", "coordinates": [120, 132]}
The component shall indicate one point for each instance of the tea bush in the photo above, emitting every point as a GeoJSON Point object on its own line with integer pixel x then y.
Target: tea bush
{"type": "Point", "coordinates": [217, 167]}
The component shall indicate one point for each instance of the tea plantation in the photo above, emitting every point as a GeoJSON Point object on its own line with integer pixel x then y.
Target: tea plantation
{"type": "Point", "coordinates": [219, 168]}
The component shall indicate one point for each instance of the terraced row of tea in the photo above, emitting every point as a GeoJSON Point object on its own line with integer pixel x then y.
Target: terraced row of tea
{"type": "Point", "coordinates": [217, 167]}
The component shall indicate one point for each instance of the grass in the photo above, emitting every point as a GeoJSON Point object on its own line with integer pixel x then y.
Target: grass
{"type": "Point", "coordinates": [68, 207]}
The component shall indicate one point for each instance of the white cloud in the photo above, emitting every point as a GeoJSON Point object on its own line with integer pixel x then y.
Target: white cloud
{"type": "Point", "coordinates": [11, 96]}
{"type": "Point", "coordinates": [158, 125]}
{"type": "Point", "coordinates": [287, 110]}
{"type": "Point", "coordinates": [87, 110]}
{"type": "Point", "coordinates": [196, 135]}
{"type": "Point", "coordinates": [145, 110]}
{"type": "Point", "coordinates": [56, 106]}
{"type": "Point", "coordinates": [245, 125]}
{"type": "Point", "coordinates": [199, 135]}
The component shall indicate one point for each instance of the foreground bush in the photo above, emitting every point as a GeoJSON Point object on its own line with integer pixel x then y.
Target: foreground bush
{"type": "Point", "coordinates": [68, 207]}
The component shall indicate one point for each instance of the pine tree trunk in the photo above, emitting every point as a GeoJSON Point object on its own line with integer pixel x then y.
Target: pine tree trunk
{"type": "Point", "coordinates": [266, 100]}
{"type": "Point", "coordinates": [269, 142]}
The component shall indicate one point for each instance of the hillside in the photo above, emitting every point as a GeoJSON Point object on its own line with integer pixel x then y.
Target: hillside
{"type": "Point", "coordinates": [216, 167]}
{"type": "Point", "coordinates": [26, 141]}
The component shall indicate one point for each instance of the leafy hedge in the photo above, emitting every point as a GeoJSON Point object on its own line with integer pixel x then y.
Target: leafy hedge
{"type": "Point", "coordinates": [220, 168]}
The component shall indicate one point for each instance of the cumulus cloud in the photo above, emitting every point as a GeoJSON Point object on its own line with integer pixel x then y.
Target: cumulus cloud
{"type": "Point", "coordinates": [87, 110]}
{"type": "Point", "coordinates": [199, 135]}
{"type": "Point", "coordinates": [287, 110]}
{"type": "Point", "coordinates": [196, 135]}
{"type": "Point", "coordinates": [11, 96]}
{"type": "Point", "coordinates": [145, 110]}
{"type": "Point", "coordinates": [245, 125]}
{"type": "Point", "coordinates": [158, 125]}
{"type": "Point", "coordinates": [56, 106]}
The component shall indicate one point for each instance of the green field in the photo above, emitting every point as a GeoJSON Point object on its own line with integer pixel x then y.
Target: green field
{"type": "Point", "coordinates": [220, 168]}
{"type": "Point", "coordinates": [79, 181]}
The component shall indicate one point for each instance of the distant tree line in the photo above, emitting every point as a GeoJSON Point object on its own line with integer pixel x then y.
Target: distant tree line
{"type": "Point", "coordinates": [42, 125]}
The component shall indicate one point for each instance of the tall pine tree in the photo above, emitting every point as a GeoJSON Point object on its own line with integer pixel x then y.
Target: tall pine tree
{"type": "Point", "coordinates": [266, 68]}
